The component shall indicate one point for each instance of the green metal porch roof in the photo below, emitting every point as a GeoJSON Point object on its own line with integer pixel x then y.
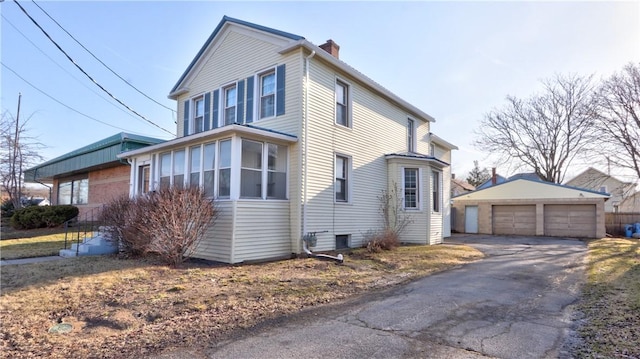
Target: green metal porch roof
{"type": "Point", "coordinates": [99, 154]}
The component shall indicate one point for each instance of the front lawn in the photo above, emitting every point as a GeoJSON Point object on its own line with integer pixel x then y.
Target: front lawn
{"type": "Point", "coordinates": [49, 245]}
{"type": "Point", "coordinates": [129, 308]}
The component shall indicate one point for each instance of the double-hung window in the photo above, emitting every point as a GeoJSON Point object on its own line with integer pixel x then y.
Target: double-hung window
{"type": "Point", "coordinates": [436, 191]}
{"type": "Point", "coordinates": [251, 170]}
{"type": "Point", "coordinates": [230, 104]}
{"type": "Point", "coordinates": [198, 116]}
{"type": "Point", "coordinates": [178, 168]}
{"type": "Point", "coordinates": [342, 178]}
{"type": "Point", "coordinates": [165, 170]}
{"type": "Point", "coordinates": [208, 168]}
{"type": "Point", "coordinates": [411, 135]}
{"type": "Point", "coordinates": [224, 169]}
{"type": "Point", "coordinates": [144, 178]}
{"type": "Point", "coordinates": [342, 103]}
{"type": "Point", "coordinates": [267, 94]}
{"type": "Point", "coordinates": [411, 188]}
{"type": "Point", "coordinates": [194, 166]}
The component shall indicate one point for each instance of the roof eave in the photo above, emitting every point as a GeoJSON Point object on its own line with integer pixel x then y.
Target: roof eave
{"type": "Point", "coordinates": [357, 75]}
{"type": "Point", "coordinates": [218, 132]}
{"type": "Point", "coordinates": [441, 142]}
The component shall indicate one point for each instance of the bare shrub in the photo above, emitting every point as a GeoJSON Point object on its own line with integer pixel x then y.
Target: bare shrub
{"type": "Point", "coordinates": [170, 222]}
{"type": "Point", "coordinates": [394, 219]}
{"type": "Point", "coordinates": [377, 241]}
{"type": "Point", "coordinates": [121, 220]}
{"type": "Point", "coordinates": [176, 220]}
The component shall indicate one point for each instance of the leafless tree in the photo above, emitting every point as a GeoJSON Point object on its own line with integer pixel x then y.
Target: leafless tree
{"type": "Point", "coordinates": [544, 132]}
{"type": "Point", "coordinates": [18, 151]}
{"type": "Point", "coordinates": [618, 123]}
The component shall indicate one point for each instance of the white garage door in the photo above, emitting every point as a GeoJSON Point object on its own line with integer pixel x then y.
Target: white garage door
{"type": "Point", "coordinates": [570, 220]}
{"type": "Point", "coordinates": [514, 220]}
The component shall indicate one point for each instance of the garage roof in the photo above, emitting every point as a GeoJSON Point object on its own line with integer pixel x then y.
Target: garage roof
{"type": "Point", "coordinates": [522, 188]}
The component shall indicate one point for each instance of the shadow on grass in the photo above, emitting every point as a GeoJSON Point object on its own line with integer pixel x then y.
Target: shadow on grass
{"type": "Point", "coordinates": [20, 276]}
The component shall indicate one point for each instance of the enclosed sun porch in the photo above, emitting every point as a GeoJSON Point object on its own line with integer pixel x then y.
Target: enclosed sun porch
{"type": "Point", "coordinates": [245, 170]}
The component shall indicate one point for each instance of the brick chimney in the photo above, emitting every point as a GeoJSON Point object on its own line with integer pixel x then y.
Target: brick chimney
{"type": "Point", "coordinates": [332, 48]}
{"type": "Point", "coordinates": [494, 178]}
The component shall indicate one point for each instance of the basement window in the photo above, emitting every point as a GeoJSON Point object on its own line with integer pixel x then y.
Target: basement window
{"type": "Point", "coordinates": [342, 241]}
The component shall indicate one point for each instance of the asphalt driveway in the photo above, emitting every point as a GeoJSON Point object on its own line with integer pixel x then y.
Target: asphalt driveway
{"type": "Point", "coordinates": [515, 303]}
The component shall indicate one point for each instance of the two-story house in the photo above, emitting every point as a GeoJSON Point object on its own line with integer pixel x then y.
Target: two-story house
{"type": "Point", "coordinates": [599, 181]}
{"type": "Point", "coordinates": [288, 139]}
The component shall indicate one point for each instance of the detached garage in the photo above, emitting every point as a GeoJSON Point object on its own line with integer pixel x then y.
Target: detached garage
{"type": "Point", "coordinates": [532, 208]}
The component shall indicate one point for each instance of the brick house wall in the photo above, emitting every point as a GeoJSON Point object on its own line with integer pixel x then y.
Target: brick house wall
{"type": "Point", "coordinates": [104, 185]}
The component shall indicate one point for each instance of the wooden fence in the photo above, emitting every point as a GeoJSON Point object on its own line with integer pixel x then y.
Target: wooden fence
{"type": "Point", "coordinates": [614, 222]}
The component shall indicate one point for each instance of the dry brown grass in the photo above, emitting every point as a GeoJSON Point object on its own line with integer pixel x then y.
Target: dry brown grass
{"type": "Point", "coordinates": [122, 308]}
{"type": "Point", "coordinates": [41, 246]}
{"type": "Point", "coordinates": [611, 300]}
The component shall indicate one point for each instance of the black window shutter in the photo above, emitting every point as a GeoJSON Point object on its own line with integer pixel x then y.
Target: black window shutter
{"type": "Point", "coordinates": [280, 90]}
{"type": "Point", "coordinates": [216, 96]}
{"type": "Point", "coordinates": [185, 129]}
{"type": "Point", "coordinates": [249, 116]}
{"type": "Point", "coordinates": [207, 106]}
{"type": "Point", "coordinates": [240, 103]}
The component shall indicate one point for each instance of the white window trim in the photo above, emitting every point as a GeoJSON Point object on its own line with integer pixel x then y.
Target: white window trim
{"type": "Point", "coordinates": [257, 96]}
{"type": "Point", "coordinates": [418, 187]}
{"type": "Point", "coordinates": [349, 104]}
{"type": "Point", "coordinates": [192, 115]}
{"type": "Point", "coordinates": [349, 180]}
{"type": "Point", "coordinates": [222, 118]}
{"type": "Point", "coordinates": [440, 192]}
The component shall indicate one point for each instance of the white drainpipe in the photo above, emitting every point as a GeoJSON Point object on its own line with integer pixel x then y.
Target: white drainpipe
{"type": "Point", "coordinates": [306, 140]}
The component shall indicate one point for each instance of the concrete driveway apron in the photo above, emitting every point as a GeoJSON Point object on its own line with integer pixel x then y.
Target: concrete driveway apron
{"type": "Point", "coordinates": [515, 303]}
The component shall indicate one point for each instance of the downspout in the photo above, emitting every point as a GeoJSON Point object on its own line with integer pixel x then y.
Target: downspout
{"type": "Point", "coordinates": [35, 175]}
{"type": "Point", "coordinates": [306, 140]}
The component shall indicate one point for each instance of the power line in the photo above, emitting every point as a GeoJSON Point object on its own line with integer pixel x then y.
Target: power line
{"type": "Point", "coordinates": [68, 73]}
{"type": "Point", "coordinates": [60, 102]}
{"type": "Point", "coordinates": [100, 61]}
{"type": "Point", "coordinates": [86, 74]}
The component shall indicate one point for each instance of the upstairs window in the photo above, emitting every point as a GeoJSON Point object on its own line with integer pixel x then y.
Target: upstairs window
{"type": "Point", "coordinates": [411, 137]}
{"type": "Point", "coordinates": [342, 103]}
{"type": "Point", "coordinates": [411, 185]}
{"type": "Point", "coordinates": [267, 94]}
{"type": "Point", "coordinates": [342, 178]}
{"type": "Point", "coordinates": [432, 150]}
{"type": "Point", "coordinates": [198, 116]}
{"type": "Point", "coordinates": [230, 102]}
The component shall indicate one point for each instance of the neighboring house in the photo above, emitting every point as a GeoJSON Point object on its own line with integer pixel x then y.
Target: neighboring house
{"type": "Point", "coordinates": [290, 140]}
{"type": "Point", "coordinates": [497, 179]}
{"type": "Point", "coordinates": [459, 187]}
{"type": "Point", "coordinates": [89, 176]}
{"type": "Point", "coordinates": [531, 207]}
{"type": "Point", "coordinates": [631, 204]}
{"type": "Point", "coordinates": [599, 181]}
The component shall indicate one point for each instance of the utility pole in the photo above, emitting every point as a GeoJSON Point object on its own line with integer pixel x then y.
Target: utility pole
{"type": "Point", "coordinates": [14, 180]}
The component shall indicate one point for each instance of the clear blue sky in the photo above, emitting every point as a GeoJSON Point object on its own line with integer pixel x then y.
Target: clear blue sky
{"type": "Point", "coordinates": [454, 60]}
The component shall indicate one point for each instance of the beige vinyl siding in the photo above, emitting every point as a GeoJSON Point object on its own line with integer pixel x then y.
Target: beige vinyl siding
{"type": "Point", "coordinates": [378, 128]}
{"type": "Point", "coordinates": [262, 230]}
{"type": "Point", "coordinates": [435, 220]}
{"type": "Point", "coordinates": [236, 56]}
{"type": "Point", "coordinates": [216, 245]}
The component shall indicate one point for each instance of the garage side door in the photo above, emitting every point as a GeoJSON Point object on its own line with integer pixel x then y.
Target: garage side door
{"type": "Point", "coordinates": [570, 220]}
{"type": "Point", "coordinates": [514, 220]}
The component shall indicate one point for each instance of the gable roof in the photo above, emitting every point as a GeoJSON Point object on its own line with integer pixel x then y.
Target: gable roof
{"type": "Point", "coordinates": [298, 41]}
{"type": "Point", "coordinates": [488, 183]}
{"type": "Point", "coordinates": [593, 174]}
{"type": "Point", "coordinates": [463, 184]}
{"type": "Point", "coordinates": [225, 20]}
{"type": "Point", "coordinates": [523, 188]}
